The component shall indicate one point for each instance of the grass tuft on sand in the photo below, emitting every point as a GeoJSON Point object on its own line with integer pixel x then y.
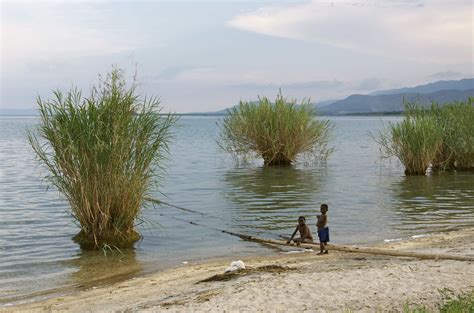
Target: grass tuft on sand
{"type": "Point", "coordinates": [451, 303]}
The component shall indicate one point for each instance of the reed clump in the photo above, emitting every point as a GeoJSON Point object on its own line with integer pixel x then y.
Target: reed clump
{"type": "Point", "coordinates": [457, 123]}
{"type": "Point", "coordinates": [277, 131]}
{"type": "Point", "coordinates": [440, 137]}
{"type": "Point", "coordinates": [103, 153]}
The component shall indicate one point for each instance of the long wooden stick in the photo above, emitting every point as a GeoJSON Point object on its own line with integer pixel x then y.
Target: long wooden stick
{"type": "Point", "coordinates": [355, 249]}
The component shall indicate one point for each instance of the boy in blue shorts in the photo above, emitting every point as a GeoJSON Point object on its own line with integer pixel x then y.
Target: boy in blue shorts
{"type": "Point", "coordinates": [323, 230]}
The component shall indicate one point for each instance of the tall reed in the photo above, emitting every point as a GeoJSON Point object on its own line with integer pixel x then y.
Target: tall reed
{"type": "Point", "coordinates": [457, 122]}
{"type": "Point", "coordinates": [441, 137]}
{"type": "Point", "coordinates": [102, 153]}
{"type": "Point", "coordinates": [278, 132]}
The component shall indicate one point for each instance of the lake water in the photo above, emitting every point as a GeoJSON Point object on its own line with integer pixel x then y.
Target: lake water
{"type": "Point", "coordinates": [370, 200]}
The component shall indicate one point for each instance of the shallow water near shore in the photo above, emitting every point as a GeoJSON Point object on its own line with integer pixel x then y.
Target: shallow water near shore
{"type": "Point", "coordinates": [369, 201]}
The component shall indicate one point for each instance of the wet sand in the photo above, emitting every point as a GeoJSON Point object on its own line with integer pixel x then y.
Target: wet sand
{"type": "Point", "coordinates": [294, 282]}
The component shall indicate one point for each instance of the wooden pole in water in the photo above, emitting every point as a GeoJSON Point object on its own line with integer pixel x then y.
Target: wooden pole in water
{"type": "Point", "coordinates": [355, 249]}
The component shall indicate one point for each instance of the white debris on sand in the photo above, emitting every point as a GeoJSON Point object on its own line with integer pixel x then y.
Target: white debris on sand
{"type": "Point", "coordinates": [235, 266]}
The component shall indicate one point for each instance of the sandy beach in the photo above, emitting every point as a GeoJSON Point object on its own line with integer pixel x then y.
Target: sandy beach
{"type": "Point", "coordinates": [290, 282]}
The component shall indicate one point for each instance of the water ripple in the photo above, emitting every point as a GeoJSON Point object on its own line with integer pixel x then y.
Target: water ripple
{"type": "Point", "coordinates": [368, 201]}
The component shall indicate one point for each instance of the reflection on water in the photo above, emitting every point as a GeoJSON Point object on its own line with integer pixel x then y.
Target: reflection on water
{"type": "Point", "coordinates": [368, 202]}
{"type": "Point", "coordinates": [270, 199]}
{"type": "Point", "coordinates": [438, 202]}
{"type": "Point", "coordinates": [85, 270]}
{"type": "Point", "coordinates": [94, 267]}
{"type": "Point", "coordinates": [273, 188]}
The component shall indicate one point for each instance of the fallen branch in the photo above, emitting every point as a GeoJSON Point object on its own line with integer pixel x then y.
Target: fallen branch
{"type": "Point", "coordinates": [355, 249]}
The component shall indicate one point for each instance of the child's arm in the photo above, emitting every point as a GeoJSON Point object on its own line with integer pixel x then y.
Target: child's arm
{"type": "Point", "coordinates": [291, 238]}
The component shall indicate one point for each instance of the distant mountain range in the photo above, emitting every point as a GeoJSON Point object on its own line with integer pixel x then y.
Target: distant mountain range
{"type": "Point", "coordinates": [392, 100]}
{"type": "Point", "coordinates": [357, 104]}
{"type": "Point", "coordinates": [463, 84]}
{"type": "Point", "coordinates": [378, 102]}
{"type": "Point", "coordinates": [389, 101]}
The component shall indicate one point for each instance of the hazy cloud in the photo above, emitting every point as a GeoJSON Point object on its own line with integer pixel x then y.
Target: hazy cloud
{"type": "Point", "coordinates": [448, 75]}
{"type": "Point", "coordinates": [316, 85]}
{"type": "Point", "coordinates": [174, 72]}
{"type": "Point", "coordinates": [40, 30]}
{"type": "Point", "coordinates": [370, 84]}
{"type": "Point", "coordinates": [189, 56]}
{"type": "Point", "coordinates": [433, 31]}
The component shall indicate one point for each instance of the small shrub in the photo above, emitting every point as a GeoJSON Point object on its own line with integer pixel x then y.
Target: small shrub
{"type": "Point", "coordinates": [102, 153]}
{"type": "Point", "coordinates": [450, 303]}
{"type": "Point", "coordinates": [278, 132]}
{"type": "Point", "coordinates": [461, 303]}
{"type": "Point", "coordinates": [418, 309]}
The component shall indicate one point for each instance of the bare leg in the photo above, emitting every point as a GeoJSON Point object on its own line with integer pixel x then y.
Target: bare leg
{"type": "Point", "coordinates": [321, 248]}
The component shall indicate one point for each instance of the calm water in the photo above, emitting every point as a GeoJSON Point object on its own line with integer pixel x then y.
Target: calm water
{"type": "Point", "coordinates": [369, 200]}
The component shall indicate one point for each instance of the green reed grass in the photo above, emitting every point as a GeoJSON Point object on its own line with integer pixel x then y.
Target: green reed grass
{"type": "Point", "coordinates": [441, 137]}
{"type": "Point", "coordinates": [457, 122]}
{"type": "Point", "coordinates": [457, 303]}
{"type": "Point", "coordinates": [277, 131]}
{"type": "Point", "coordinates": [450, 303]}
{"type": "Point", "coordinates": [416, 141]}
{"type": "Point", "coordinates": [102, 153]}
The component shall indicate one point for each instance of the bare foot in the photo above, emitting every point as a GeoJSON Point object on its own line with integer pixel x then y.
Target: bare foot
{"type": "Point", "coordinates": [320, 253]}
{"type": "Point", "coordinates": [326, 252]}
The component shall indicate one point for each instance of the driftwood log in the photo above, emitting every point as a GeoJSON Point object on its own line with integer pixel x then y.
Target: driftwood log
{"type": "Point", "coordinates": [343, 248]}
{"type": "Point", "coordinates": [355, 249]}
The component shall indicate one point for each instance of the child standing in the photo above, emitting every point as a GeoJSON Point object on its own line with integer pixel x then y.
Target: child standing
{"type": "Point", "coordinates": [323, 230]}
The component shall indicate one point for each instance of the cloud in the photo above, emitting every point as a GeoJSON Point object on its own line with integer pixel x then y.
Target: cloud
{"type": "Point", "coordinates": [448, 75]}
{"type": "Point", "coordinates": [433, 31]}
{"type": "Point", "coordinates": [312, 84]}
{"type": "Point", "coordinates": [369, 84]}
{"type": "Point", "coordinates": [39, 32]}
{"type": "Point", "coordinates": [234, 84]}
{"type": "Point", "coordinates": [316, 90]}
{"type": "Point", "coordinates": [173, 72]}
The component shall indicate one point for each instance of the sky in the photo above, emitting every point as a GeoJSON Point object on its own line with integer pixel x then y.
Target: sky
{"type": "Point", "coordinates": [201, 56]}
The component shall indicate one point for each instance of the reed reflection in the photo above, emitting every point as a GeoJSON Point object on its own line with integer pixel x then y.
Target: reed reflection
{"type": "Point", "coordinates": [96, 268]}
{"type": "Point", "coordinates": [434, 203]}
{"type": "Point", "coordinates": [271, 198]}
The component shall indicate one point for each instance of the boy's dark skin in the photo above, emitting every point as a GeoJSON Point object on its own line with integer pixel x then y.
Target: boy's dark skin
{"type": "Point", "coordinates": [320, 224]}
{"type": "Point", "coordinates": [303, 229]}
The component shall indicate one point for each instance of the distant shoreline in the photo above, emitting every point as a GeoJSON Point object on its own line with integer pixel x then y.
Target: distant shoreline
{"type": "Point", "coordinates": [391, 101]}
{"type": "Point", "coordinates": [391, 113]}
{"type": "Point", "coordinates": [395, 113]}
